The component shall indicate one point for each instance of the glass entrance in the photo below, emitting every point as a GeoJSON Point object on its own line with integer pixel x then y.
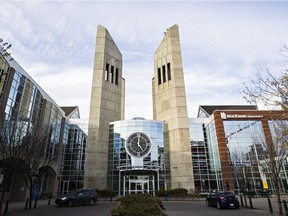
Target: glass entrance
{"type": "Point", "coordinates": [138, 186]}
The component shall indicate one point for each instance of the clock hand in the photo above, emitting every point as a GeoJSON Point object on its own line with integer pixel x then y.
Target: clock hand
{"type": "Point", "coordinates": [138, 144]}
{"type": "Point", "coordinates": [140, 147]}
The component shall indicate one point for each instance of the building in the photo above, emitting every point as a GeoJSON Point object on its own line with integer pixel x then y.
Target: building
{"type": "Point", "coordinates": [56, 158]}
{"type": "Point", "coordinates": [75, 132]}
{"type": "Point", "coordinates": [169, 105]}
{"type": "Point", "coordinates": [216, 150]}
{"type": "Point", "coordinates": [230, 141]}
{"type": "Point", "coordinates": [27, 113]}
{"type": "Point", "coordinates": [106, 105]}
{"type": "Point", "coordinates": [199, 154]}
{"type": "Point", "coordinates": [137, 154]}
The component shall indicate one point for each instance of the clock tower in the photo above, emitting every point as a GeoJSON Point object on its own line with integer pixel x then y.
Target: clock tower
{"type": "Point", "coordinates": [107, 105]}
{"type": "Point", "coordinates": [169, 105]}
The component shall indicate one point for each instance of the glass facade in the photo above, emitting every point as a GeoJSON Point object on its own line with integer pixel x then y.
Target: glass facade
{"type": "Point", "coordinates": [3, 74]}
{"type": "Point", "coordinates": [73, 157]}
{"type": "Point", "coordinates": [25, 105]}
{"type": "Point", "coordinates": [279, 130]}
{"type": "Point", "coordinates": [127, 174]}
{"type": "Point", "coordinates": [205, 155]}
{"type": "Point", "coordinates": [245, 140]}
{"type": "Point", "coordinates": [25, 111]}
{"type": "Point", "coordinates": [245, 145]}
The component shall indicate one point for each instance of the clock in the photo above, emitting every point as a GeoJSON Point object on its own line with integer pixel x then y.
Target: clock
{"type": "Point", "coordinates": [138, 144]}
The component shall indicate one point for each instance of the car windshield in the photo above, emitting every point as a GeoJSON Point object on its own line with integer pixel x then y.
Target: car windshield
{"type": "Point", "coordinates": [227, 195]}
{"type": "Point", "coordinates": [72, 192]}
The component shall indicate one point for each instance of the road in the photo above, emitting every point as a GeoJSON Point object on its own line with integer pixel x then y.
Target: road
{"type": "Point", "coordinates": [103, 208]}
{"type": "Point", "coordinates": [198, 208]}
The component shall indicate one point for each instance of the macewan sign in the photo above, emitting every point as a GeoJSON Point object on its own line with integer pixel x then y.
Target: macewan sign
{"type": "Point", "coordinates": [239, 116]}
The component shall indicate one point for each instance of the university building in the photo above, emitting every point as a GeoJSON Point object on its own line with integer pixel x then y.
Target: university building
{"type": "Point", "coordinates": [131, 156]}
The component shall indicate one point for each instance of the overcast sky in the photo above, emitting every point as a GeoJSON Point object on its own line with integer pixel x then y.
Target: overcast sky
{"type": "Point", "coordinates": [222, 43]}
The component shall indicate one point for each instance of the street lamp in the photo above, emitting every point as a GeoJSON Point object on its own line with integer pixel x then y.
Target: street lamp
{"type": "Point", "coordinates": [4, 47]}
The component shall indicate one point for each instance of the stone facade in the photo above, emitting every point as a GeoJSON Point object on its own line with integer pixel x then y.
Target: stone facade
{"type": "Point", "coordinates": [169, 105]}
{"type": "Point", "coordinates": [107, 105]}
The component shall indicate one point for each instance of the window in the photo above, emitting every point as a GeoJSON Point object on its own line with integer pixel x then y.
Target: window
{"type": "Point", "coordinates": [164, 73]}
{"type": "Point", "coordinates": [116, 76]}
{"type": "Point", "coordinates": [169, 71]}
{"type": "Point", "coordinates": [107, 72]}
{"type": "Point", "coordinates": [112, 74]}
{"type": "Point", "coordinates": [159, 76]}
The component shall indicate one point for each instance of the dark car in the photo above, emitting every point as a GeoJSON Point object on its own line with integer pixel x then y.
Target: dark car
{"type": "Point", "coordinates": [222, 200]}
{"type": "Point", "coordinates": [80, 196]}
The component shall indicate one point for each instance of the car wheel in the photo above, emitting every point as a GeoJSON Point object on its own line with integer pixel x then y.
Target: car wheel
{"type": "Point", "coordinates": [91, 202]}
{"type": "Point", "coordinates": [207, 204]}
{"type": "Point", "coordinates": [219, 205]}
{"type": "Point", "coordinates": [236, 207]}
{"type": "Point", "coordinates": [70, 203]}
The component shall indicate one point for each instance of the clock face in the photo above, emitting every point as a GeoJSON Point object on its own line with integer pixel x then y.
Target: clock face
{"type": "Point", "coordinates": [138, 144]}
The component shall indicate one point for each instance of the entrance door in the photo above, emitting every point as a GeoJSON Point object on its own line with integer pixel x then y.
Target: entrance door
{"type": "Point", "coordinates": [138, 186]}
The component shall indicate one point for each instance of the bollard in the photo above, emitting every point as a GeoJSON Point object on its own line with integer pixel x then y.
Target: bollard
{"type": "Point", "coordinates": [285, 207]}
{"type": "Point", "coordinates": [49, 200]}
{"type": "Point", "coordinates": [241, 200]}
{"type": "Point", "coordinates": [270, 206]}
{"type": "Point", "coordinates": [245, 202]}
{"type": "Point", "coordinates": [250, 201]}
{"type": "Point", "coordinates": [6, 207]}
{"type": "Point", "coordinates": [35, 202]}
{"type": "Point", "coordinates": [26, 205]}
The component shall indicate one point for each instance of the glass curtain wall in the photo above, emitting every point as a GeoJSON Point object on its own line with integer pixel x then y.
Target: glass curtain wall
{"type": "Point", "coordinates": [215, 175]}
{"type": "Point", "coordinates": [155, 165]}
{"type": "Point", "coordinates": [200, 157]}
{"type": "Point", "coordinates": [23, 111]}
{"type": "Point", "coordinates": [245, 146]}
{"type": "Point", "coordinates": [73, 158]}
{"type": "Point", "coordinates": [278, 130]}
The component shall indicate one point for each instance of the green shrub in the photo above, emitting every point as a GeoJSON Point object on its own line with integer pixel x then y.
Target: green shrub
{"type": "Point", "coordinates": [161, 193]}
{"type": "Point", "coordinates": [178, 192]}
{"type": "Point", "coordinates": [203, 194]}
{"type": "Point", "coordinates": [140, 205]}
{"type": "Point", "coordinates": [107, 193]}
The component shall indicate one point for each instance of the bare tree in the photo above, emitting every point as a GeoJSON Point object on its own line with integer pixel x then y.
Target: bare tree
{"type": "Point", "coordinates": [39, 152]}
{"type": "Point", "coordinates": [10, 153]}
{"type": "Point", "coordinates": [272, 91]}
{"type": "Point", "coordinates": [27, 150]}
{"type": "Point", "coordinates": [241, 174]}
{"type": "Point", "coordinates": [277, 152]}
{"type": "Point", "coordinates": [267, 88]}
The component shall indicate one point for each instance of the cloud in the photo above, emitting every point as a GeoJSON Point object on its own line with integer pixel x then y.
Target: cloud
{"type": "Point", "coordinates": [71, 87]}
{"type": "Point", "coordinates": [222, 43]}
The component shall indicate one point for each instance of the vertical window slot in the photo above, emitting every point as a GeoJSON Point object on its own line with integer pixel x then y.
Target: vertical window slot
{"type": "Point", "coordinates": [169, 71]}
{"type": "Point", "coordinates": [164, 73]}
{"type": "Point", "coordinates": [107, 73]}
{"type": "Point", "coordinates": [159, 76]}
{"type": "Point", "coordinates": [112, 74]}
{"type": "Point", "coordinates": [116, 76]}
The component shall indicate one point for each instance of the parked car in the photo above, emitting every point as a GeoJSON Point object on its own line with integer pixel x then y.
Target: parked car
{"type": "Point", "coordinates": [222, 200]}
{"type": "Point", "coordinates": [80, 196]}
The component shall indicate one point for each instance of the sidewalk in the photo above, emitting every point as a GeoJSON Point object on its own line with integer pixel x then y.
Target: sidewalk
{"type": "Point", "coordinates": [20, 206]}
{"type": "Point", "coordinates": [262, 204]}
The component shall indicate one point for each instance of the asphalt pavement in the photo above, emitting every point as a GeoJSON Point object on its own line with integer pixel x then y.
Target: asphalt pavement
{"type": "Point", "coordinates": [173, 208]}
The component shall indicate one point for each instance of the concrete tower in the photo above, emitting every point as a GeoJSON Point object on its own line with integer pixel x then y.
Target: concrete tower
{"type": "Point", "coordinates": [107, 105]}
{"type": "Point", "coordinates": [169, 105]}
